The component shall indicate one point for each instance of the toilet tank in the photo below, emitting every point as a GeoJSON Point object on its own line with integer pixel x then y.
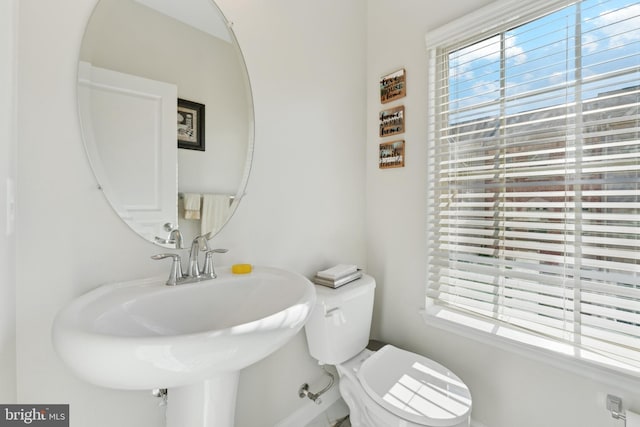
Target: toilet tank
{"type": "Point", "coordinates": [339, 325]}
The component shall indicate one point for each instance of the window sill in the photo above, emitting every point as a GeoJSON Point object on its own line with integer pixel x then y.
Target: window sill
{"type": "Point", "coordinates": [564, 356]}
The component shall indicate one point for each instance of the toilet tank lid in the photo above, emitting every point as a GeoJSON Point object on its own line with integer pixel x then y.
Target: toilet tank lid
{"type": "Point", "coordinates": [415, 388]}
{"type": "Point", "coordinates": [346, 292]}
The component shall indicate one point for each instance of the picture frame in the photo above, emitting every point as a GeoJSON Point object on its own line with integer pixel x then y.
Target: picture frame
{"type": "Point", "coordinates": [392, 121]}
{"type": "Point", "coordinates": [191, 117]}
{"type": "Point", "coordinates": [391, 155]}
{"type": "Point", "coordinates": [393, 86]}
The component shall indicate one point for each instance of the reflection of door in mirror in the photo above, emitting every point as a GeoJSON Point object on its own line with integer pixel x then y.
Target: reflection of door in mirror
{"type": "Point", "coordinates": [129, 125]}
{"type": "Point", "coordinates": [186, 44]}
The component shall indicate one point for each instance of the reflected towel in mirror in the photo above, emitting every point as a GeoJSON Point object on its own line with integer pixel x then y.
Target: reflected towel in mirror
{"type": "Point", "coordinates": [215, 212]}
{"type": "Point", "coordinates": [191, 206]}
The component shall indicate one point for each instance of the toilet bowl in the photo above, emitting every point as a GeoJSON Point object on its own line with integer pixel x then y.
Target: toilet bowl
{"type": "Point", "coordinates": [385, 388]}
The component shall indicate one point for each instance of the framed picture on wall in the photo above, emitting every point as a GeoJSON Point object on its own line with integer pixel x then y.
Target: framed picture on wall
{"type": "Point", "coordinates": [391, 155]}
{"type": "Point", "coordinates": [190, 125]}
{"type": "Point", "coordinates": [393, 86]}
{"type": "Point", "coordinates": [392, 121]}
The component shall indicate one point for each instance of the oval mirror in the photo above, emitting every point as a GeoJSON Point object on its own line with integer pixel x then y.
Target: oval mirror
{"type": "Point", "coordinates": [166, 114]}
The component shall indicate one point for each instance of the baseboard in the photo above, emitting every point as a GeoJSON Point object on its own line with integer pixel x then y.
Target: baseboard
{"type": "Point", "coordinates": [310, 410]}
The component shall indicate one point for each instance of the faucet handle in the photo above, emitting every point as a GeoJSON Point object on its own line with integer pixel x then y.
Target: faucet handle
{"type": "Point", "coordinates": [175, 274]}
{"type": "Point", "coordinates": [209, 269]}
{"type": "Point", "coordinates": [218, 251]}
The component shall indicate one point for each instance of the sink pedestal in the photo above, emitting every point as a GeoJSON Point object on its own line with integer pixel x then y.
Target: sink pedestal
{"type": "Point", "coordinates": [210, 403]}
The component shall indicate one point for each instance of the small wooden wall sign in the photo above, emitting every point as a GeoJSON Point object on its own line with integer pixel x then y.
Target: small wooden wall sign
{"type": "Point", "coordinates": [391, 155]}
{"type": "Point", "coordinates": [393, 86]}
{"type": "Point", "coordinates": [392, 121]}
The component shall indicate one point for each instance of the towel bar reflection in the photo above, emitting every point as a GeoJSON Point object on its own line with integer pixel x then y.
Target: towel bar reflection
{"type": "Point", "coordinates": [231, 198]}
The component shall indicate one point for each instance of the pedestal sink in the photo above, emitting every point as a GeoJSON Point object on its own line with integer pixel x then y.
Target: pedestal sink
{"type": "Point", "coordinates": [191, 339]}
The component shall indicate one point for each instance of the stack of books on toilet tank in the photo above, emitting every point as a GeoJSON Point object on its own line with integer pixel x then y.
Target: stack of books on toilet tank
{"type": "Point", "coordinates": [338, 275]}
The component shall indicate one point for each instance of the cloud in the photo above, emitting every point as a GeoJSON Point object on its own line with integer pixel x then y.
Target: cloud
{"type": "Point", "coordinates": [486, 49]}
{"type": "Point", "coordinates": [558, 77]}
{"type": "Point", "coordinates": [515, 52]}
{"type": "Point", "coordinates": [589, 43]}
{"type": "Point", "coordinates": [489, 89]}
{"type": "Point", "coordinates": [621, 26]}
{"type": "Point", "coordinates": [489, 49]}
{"type": "Point", "coordinates": [465, 60]}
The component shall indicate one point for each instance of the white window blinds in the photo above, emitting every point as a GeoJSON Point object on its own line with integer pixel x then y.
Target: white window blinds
{"type": "Point", "coordinates": [534, 216]}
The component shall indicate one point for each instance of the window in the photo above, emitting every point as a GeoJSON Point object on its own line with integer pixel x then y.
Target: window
{"type": "Point", "coordinates": [534, 169]}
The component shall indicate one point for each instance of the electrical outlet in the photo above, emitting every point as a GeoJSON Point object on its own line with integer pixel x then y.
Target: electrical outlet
{"type": "Point", "coordinates": [614, 404]}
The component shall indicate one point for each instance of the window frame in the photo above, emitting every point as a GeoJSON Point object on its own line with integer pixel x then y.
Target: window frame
{"type": "Point", "coordinates": [484, 22]}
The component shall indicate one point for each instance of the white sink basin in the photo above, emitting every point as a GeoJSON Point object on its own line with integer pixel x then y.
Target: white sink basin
{"type": "Point", "coordinates": [145, 335]}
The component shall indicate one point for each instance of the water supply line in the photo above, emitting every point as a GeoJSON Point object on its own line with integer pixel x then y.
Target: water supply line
{"type": "Point", "coordinates": [303, 391]}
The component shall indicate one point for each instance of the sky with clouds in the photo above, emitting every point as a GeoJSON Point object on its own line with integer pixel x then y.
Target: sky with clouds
{"type": "Point", "coordinates": [540, 60]}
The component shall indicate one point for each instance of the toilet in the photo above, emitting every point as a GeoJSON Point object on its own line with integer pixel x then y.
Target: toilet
{"type": "Point", "coordinates": [385, 388]}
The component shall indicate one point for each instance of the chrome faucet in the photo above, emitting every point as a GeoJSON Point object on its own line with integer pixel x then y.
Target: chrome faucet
{"type": "Point", "coordinates": [175, 276]}
{"type": "Point", "coordinates": [194, 273]}
{"type": "Point", "coordinates": [194, 267]}
{"type": "Point", "coordinates": [175, 237]}
{"type": "Point", "coordinates": [208, 270]}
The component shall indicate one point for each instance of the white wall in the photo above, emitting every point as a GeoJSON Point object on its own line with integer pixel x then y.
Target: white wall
{"type": "Point", "coordinates": [508, 390]}
{"type": "Point", "coordinates": [8, 31]}
{"type": "Point", "coordinates": [304, 207]}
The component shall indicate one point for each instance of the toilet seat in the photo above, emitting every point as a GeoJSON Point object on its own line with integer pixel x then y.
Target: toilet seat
{"type": "Point", "coordinates": [415, 388]}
